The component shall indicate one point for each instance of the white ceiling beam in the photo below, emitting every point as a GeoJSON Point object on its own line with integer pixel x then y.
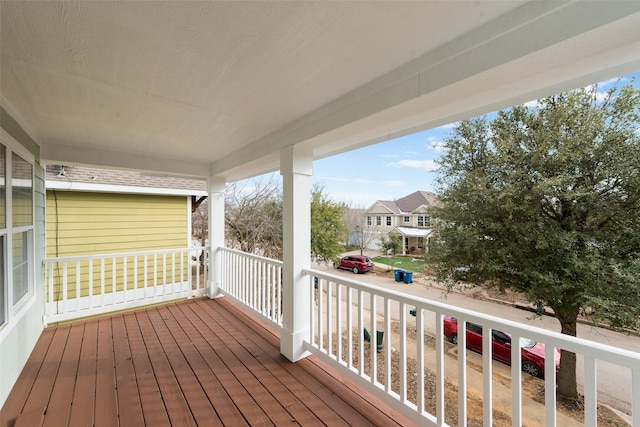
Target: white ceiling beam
{"type": "Point", "coordinates": [498, 55]}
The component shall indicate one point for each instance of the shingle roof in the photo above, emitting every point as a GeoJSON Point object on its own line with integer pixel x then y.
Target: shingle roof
{"type": "Point", "coordinates": [391, 205]}
{"type": "Point", "coordinates": [77, 174]}
{"type": "Point", "coordinates": [410, 203]}
{"type": "Point", "coordinates": [414, 200]}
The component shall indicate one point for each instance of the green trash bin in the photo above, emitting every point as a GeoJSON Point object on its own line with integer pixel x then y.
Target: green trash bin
{"type": "Point", "coordinates": [379, 339]}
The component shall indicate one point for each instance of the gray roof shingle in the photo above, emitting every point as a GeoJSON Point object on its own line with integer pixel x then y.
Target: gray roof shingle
{"type": "Point", "coordinates": [122, 178]}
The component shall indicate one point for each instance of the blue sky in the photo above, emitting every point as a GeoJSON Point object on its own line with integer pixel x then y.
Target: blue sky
{"type": "Point", "coordinates": [385, 171]}
{"type": "Point", "coordinates": [392, 169]}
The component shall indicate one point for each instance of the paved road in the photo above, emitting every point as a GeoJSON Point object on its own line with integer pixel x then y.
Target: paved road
{"type": "Point", "coordinates": [614, 383]}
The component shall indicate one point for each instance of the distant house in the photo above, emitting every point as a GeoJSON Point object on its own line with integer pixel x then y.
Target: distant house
{"type": "Point", "coordinates": [406, 217]}
{"type": "Point", "coordinates": [95, 211]}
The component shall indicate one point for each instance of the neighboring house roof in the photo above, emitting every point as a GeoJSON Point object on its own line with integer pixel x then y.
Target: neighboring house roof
{"type": "Point", "coordinates": [413, 232]}
{"type": "Point", "coordinates": [416, 200]}
{"type": "Point", "coordinates": [391, 205]}
{"type": "Point", "coordinates": [410, 203]}
{"type": "Point", "coordinates": [76, 178]}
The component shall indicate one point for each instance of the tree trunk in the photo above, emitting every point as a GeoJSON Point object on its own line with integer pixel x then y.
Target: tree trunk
{"type": "Point", "coordinates": [567, 382]}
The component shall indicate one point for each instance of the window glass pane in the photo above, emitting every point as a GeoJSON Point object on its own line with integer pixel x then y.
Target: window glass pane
{"type": "Point", "coordinates": [3, 186]}
{"type": "Point", "coordinates": [3, 287]}
{"type": "Point", "coordinates": [20, 265]}
{"type": "Point", "coordinates": [22, 191]}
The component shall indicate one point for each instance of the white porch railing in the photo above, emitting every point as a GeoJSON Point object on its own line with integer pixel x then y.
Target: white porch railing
{"type": "Point", "coordinates": [95, 284]}
{"type": "Point", "coordinates": [341, 309]}
{"type": "Point", "coordinates": [254, 281]}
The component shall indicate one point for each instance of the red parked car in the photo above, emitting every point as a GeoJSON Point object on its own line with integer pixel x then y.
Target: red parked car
{"type": "Point", "coordinates": [532, 351]}
{"type": "Point", "coordinates": [355, 263]}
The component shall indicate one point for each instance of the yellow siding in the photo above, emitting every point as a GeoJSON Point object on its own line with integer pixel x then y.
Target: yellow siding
{"type": "Point", "coordinates": [80, 223]}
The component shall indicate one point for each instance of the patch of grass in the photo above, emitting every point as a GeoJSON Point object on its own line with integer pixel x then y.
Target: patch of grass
{"type": "Point", "coordinates": [402, 263]}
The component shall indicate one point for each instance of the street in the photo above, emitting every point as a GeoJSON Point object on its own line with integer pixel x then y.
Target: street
{"type": "Point", "coordinates": [614, 383]}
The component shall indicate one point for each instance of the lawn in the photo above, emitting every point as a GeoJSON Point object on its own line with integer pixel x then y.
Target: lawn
{"type": "Point", "coordinates": [402, 263]}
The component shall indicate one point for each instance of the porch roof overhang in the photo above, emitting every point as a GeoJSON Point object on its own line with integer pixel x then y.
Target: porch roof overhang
{"type": "Point", "coordinates": [219, 88]}
{"type": "Point", "coordinates": [414, 232]}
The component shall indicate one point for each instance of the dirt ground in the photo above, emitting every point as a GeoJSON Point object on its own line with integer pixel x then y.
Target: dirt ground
{"type": "Point", "coordinates": [533, 389]}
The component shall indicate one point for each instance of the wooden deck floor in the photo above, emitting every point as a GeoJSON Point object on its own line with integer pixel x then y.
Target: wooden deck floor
{"type": "Point", "coordinates": [200, 362]}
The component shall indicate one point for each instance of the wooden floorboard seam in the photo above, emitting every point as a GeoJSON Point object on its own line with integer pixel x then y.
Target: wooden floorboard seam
{"type": "Point", "coordinates": [380, 412]}
{"type": "Point", "coordinates": [237, 393]}
{"type": "Point", "coordinates": [198, 362]}
{"type": "Point", "coordinates": [333, 418]}
{"type": "Point", "coordinates": [217, 398]}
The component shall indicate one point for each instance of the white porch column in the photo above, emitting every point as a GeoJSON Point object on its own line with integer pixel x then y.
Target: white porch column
{"type": "Point", "coordinates": [296, 164]}
{"type": "Point", "coordinates": [216, 232]}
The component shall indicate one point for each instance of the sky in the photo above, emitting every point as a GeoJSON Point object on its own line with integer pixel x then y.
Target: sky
{"type": "Point", "coordinates": [392, 169]}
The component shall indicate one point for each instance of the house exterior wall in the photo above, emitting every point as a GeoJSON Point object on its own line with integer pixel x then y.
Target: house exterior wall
{"type": "Point", "coordinates": [386, 217]}
{"type": "Point", "coordinates": [19, 336]}
{"type": "Point", "coordinates": [84, 223]}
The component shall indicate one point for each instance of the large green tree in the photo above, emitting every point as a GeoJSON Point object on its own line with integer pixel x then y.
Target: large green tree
{"type": "Point", "coordinates": [545, 200]}
{"type": "Point", "coordinates": [327, 226]}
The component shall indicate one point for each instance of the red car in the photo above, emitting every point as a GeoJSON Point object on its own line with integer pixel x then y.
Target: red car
{"type": "Point", "coordinates": [355, 263]}
{"type": "Point", "coordinates": [532, 351]}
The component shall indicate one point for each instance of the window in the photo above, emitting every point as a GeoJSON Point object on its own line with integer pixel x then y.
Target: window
{"type": "Point", "coordinates": [3, 310]}
{"type": "Point", "coordinates": [388, 221]}
{"type": "Point", "coordinates": [474, 328]}
{"type": "Point", "coordinates": [16, 231]}
{"type": "Point", "coordinates": [406, 219]}
{"type": "Point", "coordinates": [424, 221]}
{"type": "Point", "coordinates": [3, 221]}
{"type": "Point", "coordinates": [368, 220]}
{"type": "Point", "coordinates": [378, 220]}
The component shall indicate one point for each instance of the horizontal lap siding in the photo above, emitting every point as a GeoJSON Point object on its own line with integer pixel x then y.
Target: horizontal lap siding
{"type": "Point", "coordinates": [84, 223]}
{"type": "Point", "coordinates": [81, 223]}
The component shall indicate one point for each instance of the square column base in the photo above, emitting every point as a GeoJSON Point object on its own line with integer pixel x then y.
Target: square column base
{"type": "Point", "coordinates": [292, 344]}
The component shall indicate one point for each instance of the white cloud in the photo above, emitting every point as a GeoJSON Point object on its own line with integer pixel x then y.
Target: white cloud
{"type": "Point", "coordinates": [435, 144]}
{"type": "Point", "coordinates": [394, 183]}
{"type": "Point", "coordinates": [429, 165]}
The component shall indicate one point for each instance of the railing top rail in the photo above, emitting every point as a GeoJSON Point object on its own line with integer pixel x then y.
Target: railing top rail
{"type": "Point", "coordinates": [123, 254]}
{"type": "Point", "coordinates": [253, 256]}
{"type": "Point", "coordinates": [609, 353]}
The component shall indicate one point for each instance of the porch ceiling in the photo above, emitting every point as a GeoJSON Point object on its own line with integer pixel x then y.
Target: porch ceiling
{"type": "Point", "coordinates": [220, 87]}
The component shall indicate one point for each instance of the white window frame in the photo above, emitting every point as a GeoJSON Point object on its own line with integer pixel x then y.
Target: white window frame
{"type": "Point", "coordinates": [424, 221]}
{"type": "Point", "coordinates": [379, 220]}
{"type": "Point", "coordinates": [388, 221]}
{"type": "Point", "coordinates": [14, 311]}
{"type": "Point", "coordinates": [406, 219]}
{"type": "Point", "coordinates": [369, 220]}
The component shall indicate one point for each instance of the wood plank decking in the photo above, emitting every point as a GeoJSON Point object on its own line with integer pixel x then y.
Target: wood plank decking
{"type": "Point", "coordinates": [200, 362]}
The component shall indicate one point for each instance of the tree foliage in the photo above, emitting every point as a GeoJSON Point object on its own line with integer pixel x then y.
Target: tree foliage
{"type": "Point", "coordinates": [359, 233]}
{"type": "Point", "coordinates": [327, 227]}
{"type": "Point", "coordinates": [545, 199]}
{"type": "Point", "coordinates": [200, 222]}
{"type": "Point", "coordinates": [253, 217]}
{"type": "Point", "coordinates": [390, 243]}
